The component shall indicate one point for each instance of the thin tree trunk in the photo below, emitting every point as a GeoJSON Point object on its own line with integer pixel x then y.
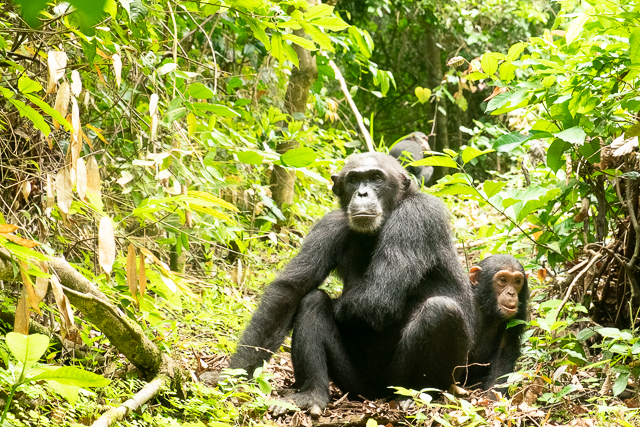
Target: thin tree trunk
{"type": "Point", "coordinates": [283, 180]}
{"type": "Point", "coordinates": [433, 61]}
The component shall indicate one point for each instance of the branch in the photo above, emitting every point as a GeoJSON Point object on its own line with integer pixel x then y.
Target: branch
{"type": "Point", "coordinates": [352, 104]}
{"type": "Point", "coordinates": [140, 398]}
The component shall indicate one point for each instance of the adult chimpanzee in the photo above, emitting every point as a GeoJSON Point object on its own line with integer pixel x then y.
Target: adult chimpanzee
{"type": "Point", "coordinates": [501, 293]}
{"type": "Point", "coordinates": [406, 311]}
{"type": "Point", "coordinates": [414, 144]}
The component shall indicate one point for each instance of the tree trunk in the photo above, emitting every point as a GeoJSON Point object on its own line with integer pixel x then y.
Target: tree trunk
{"type": "Point", "coordinates": [433, 61]}
{"type": "Point", "coordinates": [283, 180]}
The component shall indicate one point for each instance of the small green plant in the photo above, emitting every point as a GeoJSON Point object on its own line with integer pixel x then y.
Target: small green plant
{"type": "Point", "coordinates": [27, 350]}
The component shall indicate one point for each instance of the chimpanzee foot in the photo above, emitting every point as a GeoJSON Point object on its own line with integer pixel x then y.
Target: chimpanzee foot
{"type": "Point", "coordinates": [314, 401]}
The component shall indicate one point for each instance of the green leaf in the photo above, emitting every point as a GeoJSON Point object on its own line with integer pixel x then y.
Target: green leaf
{"type": "Point", "coordinates": [498, 101]}
{"type": "Point", "coordinates": [491, 188]}
{"type": "Point", "coordinates": [29, 9]}
{"type": "Point", "coordinates": [27, 349]}
{"type": "Point", "coordinates": [69, 392]}
{"type": "Point", "coordinates": [277, 50]}
{"type": "Point", "coordinates": [221, 110]}
{"type": "Point", "coordinates": [70, 375]}
{"type": "Point", "coordinates": [26, 85]}
{"type": "Point", "coordinates": [471, 153]}
{"type": "Point", "coordinates": [249, 157]}
{"type": "Point", "coordinates": [318, 11]}
{"type": "Point", "coordinates": [50, 111]}
{"type": "Point", "coordinates": [331, 23]}
{"type": "Point", "coordinates": [555, 152]}
{"type": "Point", "coordinates": [31, 114]}
{"type": "Point", "coordinates": [574, 135]}
{"type": "Point", "coordinates": [258, 31]}
{"type": "Point", "coordinates": [87, 14]}
{"type": "Point", "coordinates": [489, 63]}
{"type": "Point", "coordinates": [515, 51]}
{"type": "Point", "coordinates": [200, 91]}
{"type": "Point", "coordinates": [621, 383]}
{"type": "Point", "coordinates": [318, 36]}
{"type": "Point", "coordinates": [423, 94]}
{"type": "Point", "coordinates": [477, 76]}
{"type": "Point", "coordinates": [507, 72]}
{"type": "Point", "coordinates": [358, 37]}
{"type": "Point", "coordinates": [634, 49]}
{"type": "Point", "coordinates": [444, 161]}
{"type": "Point", "coordinates": [290, 54]}
{"type": "Point", "coordinates": [509, 142]}
{"type": "Point", "coordinates": [298, 157]}
{"type": "Point", "coordinates": [300, 41]}
{"type": "Point", "coordinates": [575, 28]}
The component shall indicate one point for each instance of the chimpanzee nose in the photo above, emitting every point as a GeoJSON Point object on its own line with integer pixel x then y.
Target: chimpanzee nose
{"type": "Point", "coordinates": [363, 193]}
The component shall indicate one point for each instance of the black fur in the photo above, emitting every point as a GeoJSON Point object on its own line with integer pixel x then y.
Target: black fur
{"type": "Point", "coordinates": [414, 144]}
{"type": "Point", "coordinates": [406, 311]}
{"type": "Point", "coordinates": [495, 345]}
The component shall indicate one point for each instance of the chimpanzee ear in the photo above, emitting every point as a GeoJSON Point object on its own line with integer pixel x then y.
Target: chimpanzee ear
{"type": "Point", "coordinates": [474, 275]}
{"type": "Point", "coordinates": [336, 185]}
{"type": "Point", "coordinates": [406, 181]}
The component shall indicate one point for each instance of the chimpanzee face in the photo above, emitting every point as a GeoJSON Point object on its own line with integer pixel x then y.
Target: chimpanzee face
{"type": "Point", "coordinates": [369, 187]}
{"type": "Point", "coordinates": [507, 285]}
{"type": "Point", "coordinates": [365, 210]}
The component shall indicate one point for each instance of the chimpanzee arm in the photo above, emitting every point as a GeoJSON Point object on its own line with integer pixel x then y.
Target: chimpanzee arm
{"type": "Point", "coordinates": [414, 241]}
{"type": "Point", "coordinates": [274, 316]}
{"type": "Point", "coordinates": [504, 360]}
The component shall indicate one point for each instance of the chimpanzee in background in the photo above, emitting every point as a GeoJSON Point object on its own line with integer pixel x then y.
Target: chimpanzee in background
{"type": "Point", "coordinates": [501, 293]}
{"type": "Point", "coordinates": [405, 316]}
{"type": "Point", "coordinates": [415, 144]}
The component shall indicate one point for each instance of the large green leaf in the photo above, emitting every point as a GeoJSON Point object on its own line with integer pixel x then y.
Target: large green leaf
{"type": "Point", "coordinates": [50, 111]}
{"type": "Point", "coordinates": [575, 28]}
{"type": "Point", "coordinates": [87, 14]}
{"type": "Point", "coordinates": [444, 161]}
{"type": "Point", "coordinates": [27, 349]}
{"type": "Point", "coordinates": [26, 85]}
{"type": "Point", "coordinates": [491, 188]}
{"type": "Point", "coordinates": [249, 157]}
{"type": "Point", "coordinates": [634, 49]}
{"type": "Point", "coordinates": [509, 142]}
{"type": "Point", "coordinates": [258, 32]}
{"type": "Point", "coordinates": [574, 135]}
{"type": "Point", "coordinates": [70, 375]}
{"type": "Point", "coordinates": [298, 157]}
{"type": "Point", "coordinates": [621, 383]}
{"type": "Point", "coordinates": [200, 91]}
{"type": "Point", "coordinates": [31, 114]}
{"type": "Point", "coordinates": [221, 110]}
{"type": "Point", "coordinates": [471, 153]}
{"type": "Point", "coordinates": [555, 152]}
{"type": "Point", "coordinates": [29, 9]}
{"type": "Point", "coordinates": [331, 23]}
{"type": "Point", "coordinates": [318, 11]}
{"type": "Point", "coordinates": [489, 63]}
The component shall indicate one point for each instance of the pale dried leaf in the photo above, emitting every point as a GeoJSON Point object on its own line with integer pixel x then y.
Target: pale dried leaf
{"type": "Point", "coordinates": [81, 178]}
{"type": "Point", "coordinates": [132, 275]}
{"type": "Point", "coordinates": [42, 283]}
{"type": "Point", "coordinates": [456, 61]}
{"type": "Point", "coordinates": [50, 195]}
{"type": "Point", "coordinates": [57, 62]}
{"type": "Point", "coordinates": [66, 313]}
{"type": "Point", "coordinates": [154, 127]}
{"type": "Point", "coordinates": [627, 147]}
{"type": "Point", "coordinates": [25, 188]}
{"type": "Point", "coordinates": [28, 285]}
{"type": "Point", "coordinates": [64, 188]}
{"type": "Point", "coordinates": [153, 104]}
{"type": "Point", "coordinates": [93, 176]}
{"type": "Point", "coordinates": [76, 140]}
{"type": "Point", "coordinates": [142, 276]}
{"type": "Point", "coordinates": [21, 322]}
{"type": "Point", "coordinates": [76, 83]}
{"type": "Point", "coordinates": [8, 228]}
{"type": "Point", "coordinates": [117, 68]}
{"type": "Point", "coordinates": [62, 102]}
{"type": "Point", "coordinates": [106, 245]}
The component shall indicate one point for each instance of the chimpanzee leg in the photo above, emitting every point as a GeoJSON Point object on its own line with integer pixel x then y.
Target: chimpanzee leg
{"type": "Point", "coordinates": [318, 353]}
{"type": "Point", "coordinates": [434, 342]}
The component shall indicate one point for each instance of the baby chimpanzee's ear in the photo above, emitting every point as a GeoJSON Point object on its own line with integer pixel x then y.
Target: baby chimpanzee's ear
{"type": "Point", "coordinates": [474, 275]}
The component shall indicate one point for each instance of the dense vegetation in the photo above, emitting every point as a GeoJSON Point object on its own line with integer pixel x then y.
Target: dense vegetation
{"type": "Point", "coordinates": [160, 160]}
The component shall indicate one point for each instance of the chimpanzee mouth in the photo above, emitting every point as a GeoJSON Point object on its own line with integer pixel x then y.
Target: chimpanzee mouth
{"type": "Point", "coordinates": [365, 215]}
{"type": "Point", "coordinates": [509, 309]}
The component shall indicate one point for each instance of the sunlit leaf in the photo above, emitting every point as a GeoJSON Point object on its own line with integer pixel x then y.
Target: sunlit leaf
{"type": "Point", "coordinates": [27, 349]}
{"type": "Point", "coordinates": [444, 161]}
{"type": "Point", "coordinates": [249, 157]}
{"type": "Point", "coordinates": [298, 157]}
